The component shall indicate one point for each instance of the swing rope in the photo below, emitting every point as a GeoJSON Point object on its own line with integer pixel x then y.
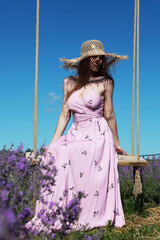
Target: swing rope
{"type": "Point", "coordinates": [36, 81]}
{"type": "Point", "coordinates": [136, 32]}
{"type": "Point", "coordinates": [137, 79]}
{"type": "Point", "coordinates": [133, 95]}
{"type": "Point", "coordinates": [137, 189]}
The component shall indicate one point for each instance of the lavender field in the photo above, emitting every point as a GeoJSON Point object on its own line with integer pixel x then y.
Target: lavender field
{"type": "Point", "coordinates": [150, 182]}
{"type": "Point", "coordinates": [20, 184]}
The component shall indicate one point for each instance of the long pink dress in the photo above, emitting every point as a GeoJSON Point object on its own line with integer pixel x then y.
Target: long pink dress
{"type": "Point", "coordinates": [86, 160]}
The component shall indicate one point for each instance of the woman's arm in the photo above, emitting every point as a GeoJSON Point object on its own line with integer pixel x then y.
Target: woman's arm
{"type": "Point", "coordinates": [110, 116]}
{"type": "Point", "coordinates": [64, 116]}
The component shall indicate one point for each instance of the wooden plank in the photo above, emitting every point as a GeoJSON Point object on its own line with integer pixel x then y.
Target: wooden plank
{"type": "Point", "coordinates": [131, 160]}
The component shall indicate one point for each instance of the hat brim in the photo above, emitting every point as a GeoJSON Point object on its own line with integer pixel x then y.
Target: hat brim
{"type": "Point", "coordinates": [112, 59]}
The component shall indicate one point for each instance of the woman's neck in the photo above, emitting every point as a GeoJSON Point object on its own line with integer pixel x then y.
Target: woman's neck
{"type": "Point", "coordinates": [93, 74]}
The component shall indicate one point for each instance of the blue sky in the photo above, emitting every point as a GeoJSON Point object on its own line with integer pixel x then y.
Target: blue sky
{"type": "Point", "coordinates": [64, 26]}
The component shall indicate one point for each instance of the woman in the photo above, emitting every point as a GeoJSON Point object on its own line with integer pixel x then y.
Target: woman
{"type": "Point", "coordinates": [86, 157]}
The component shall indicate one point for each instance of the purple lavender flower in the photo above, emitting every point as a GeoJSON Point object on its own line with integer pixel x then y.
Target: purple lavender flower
{"type": "Point", "coordinates": [9, 216]}
{"type": "Point", "coordinates": [86, 237]}
{"type": "Point", "coordinates": [16, 181]}
{"type": "Point", "coordinates": [51, 204]}
{"type": "Point", "coordinates": [26, 212]}
{"type": "Point", "coordinates": [20, 148]}
{"type": "Point", "coordinates": [4, 195]}
{"type": "Point", "coordinates": [7, 221]}
{"type": "Point", "coordinates": [52, 235]}
{"type": "Point", "coordinates": [20, 166]}
{"type": "Point", "coordinates": [89, 238]}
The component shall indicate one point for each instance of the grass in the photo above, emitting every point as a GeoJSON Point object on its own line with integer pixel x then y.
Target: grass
{"type": "Point", "coordinates": [137, 227]}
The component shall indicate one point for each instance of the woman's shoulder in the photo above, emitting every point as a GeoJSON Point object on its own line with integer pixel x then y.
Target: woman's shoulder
{"type": "Point", "coordinates": [70, 79]}
{"type": "Point", "coordinates": [70, 82]}
{"type": "Point", "coordinates": [108, 82]}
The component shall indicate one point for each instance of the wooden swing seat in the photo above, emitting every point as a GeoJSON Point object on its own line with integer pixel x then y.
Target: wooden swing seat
{"type": "Point", "coordinates": [131, 160]}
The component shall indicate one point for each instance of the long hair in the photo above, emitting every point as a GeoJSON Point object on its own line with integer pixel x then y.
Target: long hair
{"type": "Point", "coordinates": [83, 74]}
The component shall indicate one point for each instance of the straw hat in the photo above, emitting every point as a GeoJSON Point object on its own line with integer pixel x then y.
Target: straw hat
{"type": "Point", "coordinates": [92, 48]}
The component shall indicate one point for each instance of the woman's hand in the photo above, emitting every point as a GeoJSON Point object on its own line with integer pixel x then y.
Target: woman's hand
{"type": "Point", "coordinates": [120, 150]}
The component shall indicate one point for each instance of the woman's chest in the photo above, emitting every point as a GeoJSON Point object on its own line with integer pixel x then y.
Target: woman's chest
{"type": "Point", "coordinates": [92, 89]}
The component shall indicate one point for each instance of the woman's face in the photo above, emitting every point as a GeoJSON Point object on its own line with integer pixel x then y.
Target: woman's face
{"type": "Point", "coordinates": [95, 63]}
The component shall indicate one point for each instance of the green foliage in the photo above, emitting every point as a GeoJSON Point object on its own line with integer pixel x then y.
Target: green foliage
{"type": "Point", "coordinates": [28, 150]}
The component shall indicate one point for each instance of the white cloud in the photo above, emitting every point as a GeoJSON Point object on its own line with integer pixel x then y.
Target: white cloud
{"type": "Point", "coordinates": [51, 98]}
{"type": "Point", "coordinates": [54, 97]}
{"type": "Point", "coordinates": [49, 109]}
